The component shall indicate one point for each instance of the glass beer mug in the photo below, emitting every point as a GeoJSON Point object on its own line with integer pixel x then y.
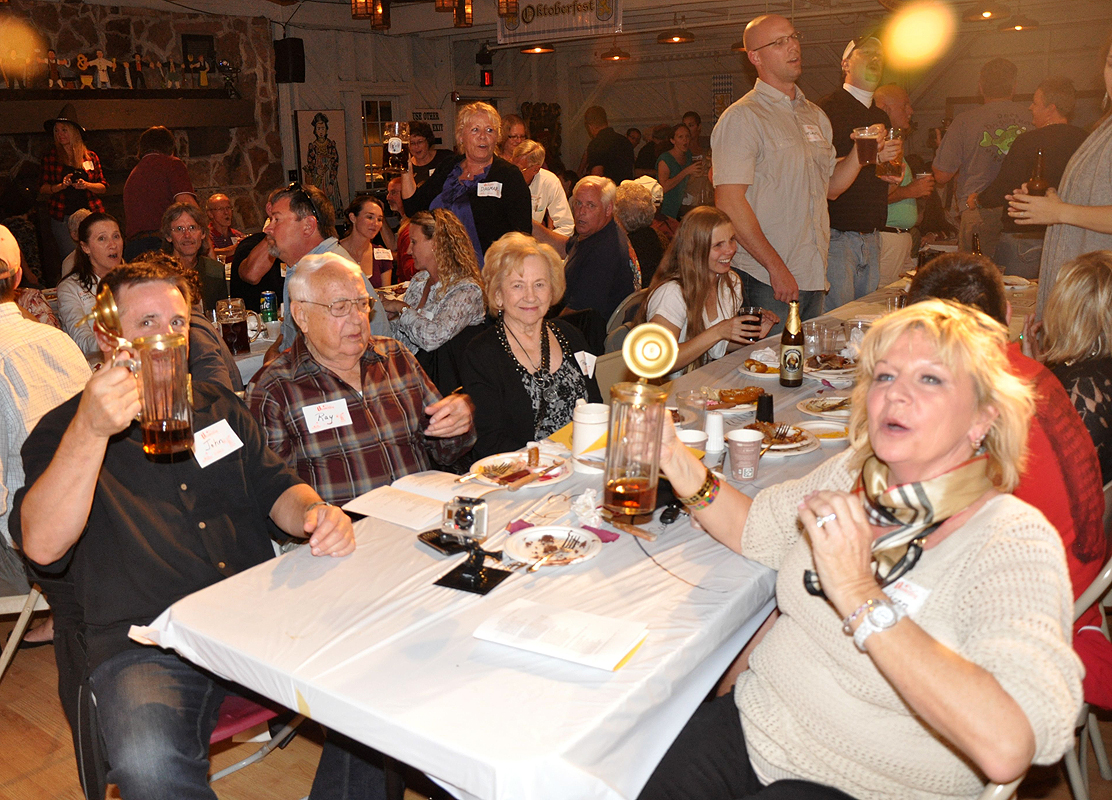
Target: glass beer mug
{"type": "Point", "coordinates": [232, 316]}
{"type": "Point", "coordinates": [161, 363]}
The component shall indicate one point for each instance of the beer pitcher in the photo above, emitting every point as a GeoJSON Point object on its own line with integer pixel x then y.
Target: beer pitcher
{"type": "Point", "coordinates": [636, 422]}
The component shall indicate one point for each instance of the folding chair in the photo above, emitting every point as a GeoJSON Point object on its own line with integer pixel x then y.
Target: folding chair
{"type": "Point", "coordinates": [238, 714]}
{"type": "Point", "coordinates": [25, 605]}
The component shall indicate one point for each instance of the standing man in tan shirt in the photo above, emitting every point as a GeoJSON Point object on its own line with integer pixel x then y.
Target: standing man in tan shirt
{"type": "Point", "coordinates": [774, 169]}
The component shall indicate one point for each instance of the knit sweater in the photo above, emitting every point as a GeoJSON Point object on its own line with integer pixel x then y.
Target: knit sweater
{"type": "Point", "coordinates": [814, 707]}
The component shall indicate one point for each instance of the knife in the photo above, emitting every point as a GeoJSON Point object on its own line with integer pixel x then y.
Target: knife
{"type": "Point", "coordinates": [513, 487]}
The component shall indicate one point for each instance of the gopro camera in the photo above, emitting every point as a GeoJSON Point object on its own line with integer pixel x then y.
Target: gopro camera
{"type": "Point", "coordinates": [465, 518]}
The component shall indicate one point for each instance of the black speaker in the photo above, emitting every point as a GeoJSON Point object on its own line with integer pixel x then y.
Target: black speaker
{"type": "Point", "coordinates": [289, 60]}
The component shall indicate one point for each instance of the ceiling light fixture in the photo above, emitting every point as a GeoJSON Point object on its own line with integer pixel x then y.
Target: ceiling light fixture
{"type": "Point", "coordinates": [463, 14]}
{"type": "Point", "coordinates": [380, 15]}
{"type": "Point", "coordinates": [1019, 22]}
{"type": "Point", "coordinates": [361, 9]}
{"type": "Point", "coordinates": [446, 5]}
{"type": "Point", "coordinates": [738, 46]}
{"type": "Point", "coordinates": [677, 34]}
{"type": "Point", "coordinates": [615, 53]}
{"type": "Point", "coordinates": [538, 49]}
{"type": "Point", "coordinates": [985, 9]}
{"type": "Point", "coordinates": [507, 8]}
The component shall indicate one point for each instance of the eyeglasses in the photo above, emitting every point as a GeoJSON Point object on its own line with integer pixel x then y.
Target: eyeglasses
{"type": "Point", "coordinates": [300, 192]}
{"type": "Point", "coordinates": [184, 228]}
{"type": "Point", "coordinates": [781, 42]}
{"type": "Point", "coordinates": [343, 307]}
{"type": "Point", "coordinates": [417, 140]}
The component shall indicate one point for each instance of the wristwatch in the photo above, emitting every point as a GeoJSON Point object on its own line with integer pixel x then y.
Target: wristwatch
{"type": "Point", "coordinates": [881, 615]}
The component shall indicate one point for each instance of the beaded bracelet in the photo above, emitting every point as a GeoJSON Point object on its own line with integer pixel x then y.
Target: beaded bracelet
{"type": "Point", "coordinates": [706, 494]}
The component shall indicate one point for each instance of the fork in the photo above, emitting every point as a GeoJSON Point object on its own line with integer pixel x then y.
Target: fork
{"type": "Point", "coordinates": [782, 431]}
{"type": "Point", "coordinates": [563, 548]}
{"type": "Point", "coordinates": [490, 471]}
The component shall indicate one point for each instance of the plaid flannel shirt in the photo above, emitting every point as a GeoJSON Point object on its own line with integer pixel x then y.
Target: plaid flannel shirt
{"type": "Point", "coordinates": [53, 170]}
{"type": "Point", "coordinates": [385, 440]}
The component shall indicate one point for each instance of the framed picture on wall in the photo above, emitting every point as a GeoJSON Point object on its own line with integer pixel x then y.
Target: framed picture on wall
{"type": "Point", "coordinates": [322, 153]}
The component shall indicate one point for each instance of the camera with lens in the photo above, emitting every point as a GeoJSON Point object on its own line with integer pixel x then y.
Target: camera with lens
{"type": "Point", "coordinates": [465, 518]}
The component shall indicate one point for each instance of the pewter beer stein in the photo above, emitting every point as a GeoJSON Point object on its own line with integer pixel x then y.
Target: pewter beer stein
{"type": "Point", "coordinates": [166, 418]}
{"type": "Point", "coordinates": [636, 421]}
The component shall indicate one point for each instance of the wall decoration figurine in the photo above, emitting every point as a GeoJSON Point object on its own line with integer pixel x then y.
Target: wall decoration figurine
{"type": "Point", "coordinates": [102, 65]}
{"type": "Point", "coordinates": [83, 72]}
{"type": "Point", "coordinates": [199, 53]}
{"type": "Point", "coordinates": [54, 67]}
{"type": "Point", "coordinates": [322, 152]}
{"type": "Point", "coordinates": [172, 76]}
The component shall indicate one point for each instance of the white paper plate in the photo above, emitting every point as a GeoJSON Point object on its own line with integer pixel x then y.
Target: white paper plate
{"type": "Point", "coordinates": [530, 544]}
{"type": "Point", "coordinates": [829, 434]}
{"type": "Point", "coordinates": [813, 407]}
{"type": "Point", "coordinates": [556, 476]}
{"type": "Point", "coordinates": [761, 376]}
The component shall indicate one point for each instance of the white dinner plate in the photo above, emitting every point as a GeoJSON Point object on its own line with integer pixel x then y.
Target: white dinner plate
{"type": "Point", "coordinates": [735, 411]}
{"type": "Point", "coordinates": [556, 476]}
{"type": "Point", "coordinates": [829, 434]}
{"type": "Point", "coordinates": [531, 544]}
{"type": "Point", "coordinates": [815, 407]}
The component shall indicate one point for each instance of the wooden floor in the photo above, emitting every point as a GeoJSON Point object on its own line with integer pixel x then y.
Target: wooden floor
{"type": "Point", "coordinates": [38, 763]}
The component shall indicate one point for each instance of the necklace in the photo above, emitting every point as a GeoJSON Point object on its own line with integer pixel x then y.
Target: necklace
{"type": "Point", "coordinates": [542, 374]}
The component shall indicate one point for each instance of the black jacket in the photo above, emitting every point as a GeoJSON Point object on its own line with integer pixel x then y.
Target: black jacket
{"type": "Point", "coordinates": [503, 410]}
{"type": "Point", "coordinates": [494, 216]}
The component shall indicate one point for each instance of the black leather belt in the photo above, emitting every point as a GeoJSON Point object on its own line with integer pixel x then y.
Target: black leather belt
{"type": "Point", "coordinates": [894, 230]}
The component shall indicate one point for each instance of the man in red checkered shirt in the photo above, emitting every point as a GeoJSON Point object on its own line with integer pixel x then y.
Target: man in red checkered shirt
{"type": "Point", "coordinates": [347, 410]}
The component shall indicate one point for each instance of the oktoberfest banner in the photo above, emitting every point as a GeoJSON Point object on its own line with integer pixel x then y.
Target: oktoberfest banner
{"type": "Point", "coordinates": [542, 21]}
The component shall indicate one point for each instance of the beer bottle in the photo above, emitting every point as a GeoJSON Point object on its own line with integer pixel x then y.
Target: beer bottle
{"type": "Point", "coordinates": [1036, 184]}
{"type": "Point", "coordinates": [976, 244]}
{"type": "Point", "coordinates": [791, 349]}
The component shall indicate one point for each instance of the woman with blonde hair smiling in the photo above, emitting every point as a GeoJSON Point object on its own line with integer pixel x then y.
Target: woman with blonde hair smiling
{"type": "Point", "coordinates": [486, 192]}
{"type": "Point", "coordinates": [1077, 344]}
{"type": "Point", "coordinates": [526, 373]}
{"type": "Point", "coordinates": [922, 645]}
{"type": "Point", "coordinates": [444, 297]}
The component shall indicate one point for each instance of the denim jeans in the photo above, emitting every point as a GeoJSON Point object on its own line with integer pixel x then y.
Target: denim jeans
{"type": "Point", "coordinates": [853, 266]}
{"type": "Point", "coordinates": [156, 714]}
{"type": "Point", "coordinates": [348, 770]}
{"type": "Point", "coordinates": [758, 293]}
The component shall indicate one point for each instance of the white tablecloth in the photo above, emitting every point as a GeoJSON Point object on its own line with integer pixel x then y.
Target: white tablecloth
{"type": "Point", "coordinates": [368, 646]}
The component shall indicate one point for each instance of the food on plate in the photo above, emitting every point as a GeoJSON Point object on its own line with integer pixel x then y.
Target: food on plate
{"type": "Point", "coordinates": [677, 415]}
{"type": "Point", "coordinates": [752, 365]}
{"type": "Point", "coordinates": [830, 361]}
{"type": "Point", "coordinates": [719, 399]}
{"type": "Point", "coordinates": [827, 405]}
{"type": "Point", "coordinates": [534, 457]}
{"type": "Point", "coordinates": [795, 435]}
{"type": "Point", "coordinates": [843, 433]}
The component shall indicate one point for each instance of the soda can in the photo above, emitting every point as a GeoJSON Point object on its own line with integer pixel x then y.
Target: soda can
{"type": "Point", "coordinates": [268, 307]}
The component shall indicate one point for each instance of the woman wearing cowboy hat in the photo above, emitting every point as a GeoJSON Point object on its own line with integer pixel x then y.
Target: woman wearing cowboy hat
{"type": "Point", "coordinates": [71, 175]}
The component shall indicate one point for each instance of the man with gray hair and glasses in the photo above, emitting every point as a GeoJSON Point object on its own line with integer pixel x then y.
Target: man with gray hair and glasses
{"type": "Point", "coordinates": [346, 410]}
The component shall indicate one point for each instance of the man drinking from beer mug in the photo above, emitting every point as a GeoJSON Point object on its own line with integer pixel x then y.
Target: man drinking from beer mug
{"type": "Point", "coordinates": [138, 533]}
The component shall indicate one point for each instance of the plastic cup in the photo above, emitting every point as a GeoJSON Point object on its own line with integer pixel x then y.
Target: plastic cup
{"type": "Point", "coordinates": [694, 439]}
{"type": "Point", "coordinates": [745, 453]}
{"type": "Point", "coordinates": [693, 404]}
{"type": "Point", "coordinates": [714, 428]}
{"type": "Point", "coordinates": [812, 337]}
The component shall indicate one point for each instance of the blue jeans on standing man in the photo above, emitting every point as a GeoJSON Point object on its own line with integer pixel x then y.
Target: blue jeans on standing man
{"type": "Point", "coordinates": [759, 293]}
{"type": "Point", "coordinates": [852, 267]}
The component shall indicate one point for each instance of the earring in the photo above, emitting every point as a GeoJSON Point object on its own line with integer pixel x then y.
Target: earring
{"type": "Point", "coordinates": [978, 444]}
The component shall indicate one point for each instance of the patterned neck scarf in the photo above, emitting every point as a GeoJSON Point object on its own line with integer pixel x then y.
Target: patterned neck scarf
{"type": "Point", "coordinates": [913, 510]}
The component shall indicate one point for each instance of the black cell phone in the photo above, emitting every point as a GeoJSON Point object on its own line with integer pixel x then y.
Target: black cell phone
{"type": "Point", "coordinates": [441, 543]}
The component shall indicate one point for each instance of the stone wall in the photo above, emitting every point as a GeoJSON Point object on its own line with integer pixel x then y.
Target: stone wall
{"type": "Point", "coordinates": [243, 162]}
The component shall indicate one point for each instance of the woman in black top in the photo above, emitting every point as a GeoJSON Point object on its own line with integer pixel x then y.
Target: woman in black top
{"type": "Point", "coordinates": [1077, 344]}
{"type": "Point", "coordinates": [488, 194]}
{"type": "Point", "coordinates": [524, 374]}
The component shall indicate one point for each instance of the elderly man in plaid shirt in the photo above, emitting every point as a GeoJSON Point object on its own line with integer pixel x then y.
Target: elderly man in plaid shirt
{"type": "Point", "coordinates": [347, 410]}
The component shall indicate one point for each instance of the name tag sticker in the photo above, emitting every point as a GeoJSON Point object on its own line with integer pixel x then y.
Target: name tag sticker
{"type": "Point", "coordinates": [813, 133]}
{"type": "Point", "coordinates": [214, 442]}
{"type": "Point", "coordinates": [586, 362]}
{"type": "Point", "coordinates": [909, 595]}
{"type": "Point", "coordinates": [383, 254]}
{"type": "Point", "coordinates": [323, 416]}
{"type": "Point", "coordinates": [490, 189]}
